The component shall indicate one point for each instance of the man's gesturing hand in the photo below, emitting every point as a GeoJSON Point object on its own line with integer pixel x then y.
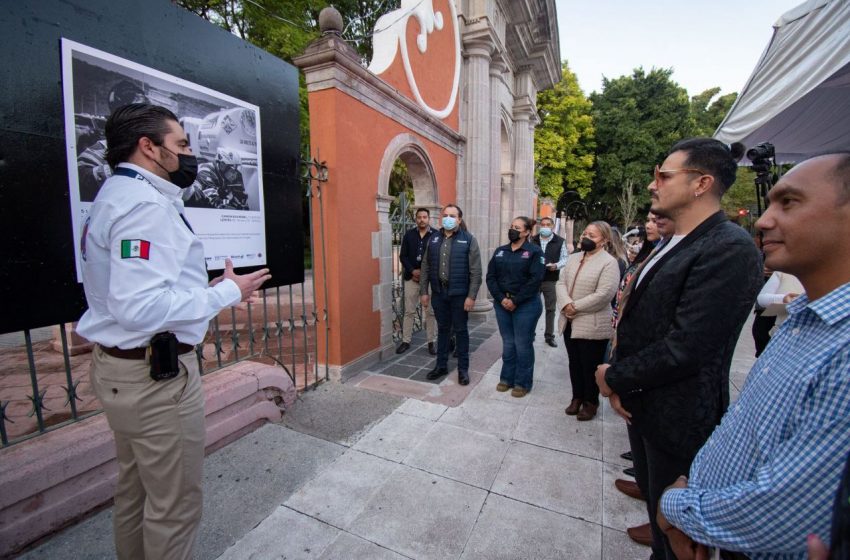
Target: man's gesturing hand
{"type": "Point", "coordinates": [248, 283]}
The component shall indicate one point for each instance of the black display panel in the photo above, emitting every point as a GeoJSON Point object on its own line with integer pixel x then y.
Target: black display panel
{"type": "Point", "coordinates": [38, 278]}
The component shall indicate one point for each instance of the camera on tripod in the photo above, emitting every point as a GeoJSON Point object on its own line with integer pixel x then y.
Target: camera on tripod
{"type": "Point", "coordinates": [762, 157]}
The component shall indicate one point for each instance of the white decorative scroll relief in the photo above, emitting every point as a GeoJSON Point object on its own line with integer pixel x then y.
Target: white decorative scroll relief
{"type": "Point", "coordinates": [390, 36]}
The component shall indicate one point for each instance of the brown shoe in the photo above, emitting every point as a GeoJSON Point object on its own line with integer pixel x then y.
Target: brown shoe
{"type": "Point", "coordinates": [519, 392]}
{"type": "Point", "coordinates": [574, 407]}
{"type": "Point", "coordinates": [502, 387]}
{"type": "Point", "coordinates": [642, 534]}
{"type": "Point", "coordinates": [587, 412]}
{"type": "Point", "coordinates": [629, 488]}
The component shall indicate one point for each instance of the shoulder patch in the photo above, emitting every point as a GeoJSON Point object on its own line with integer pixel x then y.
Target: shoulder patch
{"type": "Point", "coordinates": [135, 249]}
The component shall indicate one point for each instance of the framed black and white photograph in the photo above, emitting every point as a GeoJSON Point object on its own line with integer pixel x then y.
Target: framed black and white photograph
{"type": "Point", "coordinates": [225, 204]}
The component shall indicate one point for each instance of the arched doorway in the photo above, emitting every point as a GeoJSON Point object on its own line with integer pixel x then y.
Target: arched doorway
{"type": "Point", "coordinates": [406, 182]}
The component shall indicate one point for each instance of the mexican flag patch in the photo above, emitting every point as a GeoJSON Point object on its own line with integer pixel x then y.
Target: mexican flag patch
{"type": "Point", "coordinates": [135, 249]}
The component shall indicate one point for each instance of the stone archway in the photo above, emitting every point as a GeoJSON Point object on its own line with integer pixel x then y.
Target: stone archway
{"type": "Point", "coordinates": [412, 151]}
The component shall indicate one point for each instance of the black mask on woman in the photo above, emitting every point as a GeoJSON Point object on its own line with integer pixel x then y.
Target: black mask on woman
{"type": "Point", "coordinates": [587, 245]}
{"type": "Point", "coordinates": [513, 235]}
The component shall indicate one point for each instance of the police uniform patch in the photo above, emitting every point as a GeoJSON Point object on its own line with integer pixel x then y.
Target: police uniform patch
{"type": "Point", "coordinates": [135, 249]}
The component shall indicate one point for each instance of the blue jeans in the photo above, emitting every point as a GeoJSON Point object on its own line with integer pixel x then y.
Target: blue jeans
{"type": "Point", "coordinates": [517, 330]}
{"type": "Point", "coordinates": [451, 318]}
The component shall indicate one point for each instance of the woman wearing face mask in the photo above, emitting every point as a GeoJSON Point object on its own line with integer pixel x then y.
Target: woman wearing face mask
{"type": "Point", "coordinates": [585, 288]}
{"type": "Point", "coordinates": [514, 276]}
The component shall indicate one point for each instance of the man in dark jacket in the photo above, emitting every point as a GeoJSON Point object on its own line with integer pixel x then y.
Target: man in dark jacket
{"type": "Point", "coordinates": [412, 249]}
{"type": "Point", "coordinates": [679, 322]}
{"type": "Point", "coordinates": [451, 269]}
{"type": "Point", "coordinates": [555, 251]}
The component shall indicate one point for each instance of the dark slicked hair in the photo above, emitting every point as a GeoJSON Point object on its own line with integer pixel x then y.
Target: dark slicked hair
{"type": "Point", "coordinates": [422, 210]}
{"type": "Point", "coordinates": [711, 156]}
{"type": "Point", "coordinates": [526, 221]}
{"type": "Point", "coordinates": [127, 124]}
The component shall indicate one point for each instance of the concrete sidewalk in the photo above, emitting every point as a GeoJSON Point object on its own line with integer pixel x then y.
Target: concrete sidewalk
{"type": "Point", "coordinates": [358, 473]}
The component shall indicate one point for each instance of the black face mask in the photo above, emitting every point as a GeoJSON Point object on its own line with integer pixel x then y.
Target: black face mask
{"type": "Point", "coordinates": [587, 245]}
{"type": "Point", "coordinates": [187, 169]}
{"type": "Point", "coordinates": [513, 235]}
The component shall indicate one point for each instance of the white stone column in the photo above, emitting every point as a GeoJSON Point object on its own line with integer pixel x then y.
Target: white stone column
{"type": "Point", "coordinates": [524, 163]}
{"type": "Point", "coordinates": [497, 88]}
{"type": "Point", "coordinates": [476, 128]}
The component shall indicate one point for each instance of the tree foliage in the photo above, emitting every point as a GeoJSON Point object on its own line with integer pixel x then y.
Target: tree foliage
{"type": "Point", "coordinates": [637, 119]}
{"type": "Point", "coordinates": [564, 140]}
{"type": "Point", "coordinates": [709, 114]}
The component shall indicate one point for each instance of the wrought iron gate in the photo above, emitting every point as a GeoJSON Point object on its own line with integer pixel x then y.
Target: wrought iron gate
{"type": "Point", "coordinates": [401, 220]}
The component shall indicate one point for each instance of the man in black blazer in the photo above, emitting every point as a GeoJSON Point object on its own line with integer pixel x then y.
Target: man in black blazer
{"type": "Point", "coordinates": [680, 320]}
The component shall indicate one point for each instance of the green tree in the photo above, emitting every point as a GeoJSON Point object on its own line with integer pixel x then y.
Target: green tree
{"type": "Point", "coordinates": [637, 119]}
{"type": "Point", "coordinates": [564, 140]}
{"type": "Point", "coordinates": [708, 114]}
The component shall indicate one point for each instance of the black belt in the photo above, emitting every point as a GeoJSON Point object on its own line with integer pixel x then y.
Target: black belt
{"type": "Point", "coordinates": [141, 353]}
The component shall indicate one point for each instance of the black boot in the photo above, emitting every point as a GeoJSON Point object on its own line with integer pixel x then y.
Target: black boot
{"type": "Point", "coordinates": [463, 377]}
{"type": "Point", "coordinates": [437, 373]}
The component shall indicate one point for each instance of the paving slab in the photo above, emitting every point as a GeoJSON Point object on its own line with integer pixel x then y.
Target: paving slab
{"type": "Point", "coordinates": [548, 427]}
{"type": "Point", "coordinates": [422, 409]}
{"type": "Point", "coordinates": [615, 441]}
{"type": "Point", "coordinates": [617, 545]}
{"type": "Point", "coordinates": [284, 534]}
{"type": "Point", "coordinates": [508, 530]}
{"type": "Point", "coordinates": [619, 511]}
{"type": "Point", "coordinates": [395, 436]}
{"type": "Point", "coordinates": [348, 547]}
{"type": "Point", "coordinates": [470, 457]}
{"type": "Point", "coordinates": [339, 412]}
{"type": "Point", "coordinates": [421, 515]}
{"type": "Point", "coordinates": [553, 480]}
{"type": "Point", "coordinates": [485, 415]}
{"type": "Point", "coordinates": [341, 491]}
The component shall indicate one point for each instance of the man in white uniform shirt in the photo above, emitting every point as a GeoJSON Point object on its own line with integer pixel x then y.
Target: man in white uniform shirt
{"type": "Point", "coordinates": [145, 276]}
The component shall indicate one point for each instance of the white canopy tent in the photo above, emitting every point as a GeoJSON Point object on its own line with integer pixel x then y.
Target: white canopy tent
{"type": "Point", "coordinates": [798, 96]}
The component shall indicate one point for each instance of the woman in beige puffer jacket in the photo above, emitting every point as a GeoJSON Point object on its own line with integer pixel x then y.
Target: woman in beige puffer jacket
{"type": "Point", "coordinates": [585, 288]}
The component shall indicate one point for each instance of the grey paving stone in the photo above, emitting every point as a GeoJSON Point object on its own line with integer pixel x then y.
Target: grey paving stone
{"type": "Point", "coordinates": [552, 428]}
{"type": "Point", "coordinates": [618, 546]}
{"type": "Point", "coordinates": [400, 370]}
{"type": "Point", "coordinates": [470, 457]}
{"type": "Point", "coordinates": [422, 409]}
{"type": "Point", "coordinates": [508, 529]}
{"type": "Point", "coordinates": [619, 511]}
{"type": "Point", "coordinates": [615, 441]}
{"type": "Point", "coordinates": [245, 481]}
{"type": "Point", "coordinates": [90, 539]}
{"type": "Point", "coordinates": [485, 415]}
{"type": "Point", "coordinates": [348, 547]}
{"type": "Point", "coordinates": [553, 480]}
{"type": "Point", "coordinates": [547, 394]}
{"type": "Point", "coordinates": [338, 412]}
{"type": "Point", "coordinates": [421, 515]}
{"type": "Point", "coordinates": [395, 437]}
{"type": "Point", "coordinates": [284, 534]}
{"type": "Point", "coordinates": [340, 492]}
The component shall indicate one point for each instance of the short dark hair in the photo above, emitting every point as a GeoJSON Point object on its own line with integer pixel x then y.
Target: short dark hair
{"type": "Point", "coordinates": [527, 222]}
{"type": "Point", "coordinates": [455, 206]}
{"type": "Point", "coordinates": [540, 221]}
{"type": "Point", "coordinates": [127, 124]}
{"type": "Point", "coordinates": [711, 156]}
{"type": "Point", "coordinates": [422, 210]}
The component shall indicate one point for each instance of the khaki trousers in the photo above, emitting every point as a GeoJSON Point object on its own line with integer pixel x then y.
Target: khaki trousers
{"type": "Point", "coordinates": [411, 303]}
{"type": "Point", "coordinates": [159, 442]}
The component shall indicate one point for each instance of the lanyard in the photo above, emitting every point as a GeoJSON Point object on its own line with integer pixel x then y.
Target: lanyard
{"type": "Point", "coordinates": [133, 174]}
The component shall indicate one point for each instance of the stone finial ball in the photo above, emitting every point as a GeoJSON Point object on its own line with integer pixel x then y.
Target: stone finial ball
{"type": "Point", "coordinates": [330, 20]}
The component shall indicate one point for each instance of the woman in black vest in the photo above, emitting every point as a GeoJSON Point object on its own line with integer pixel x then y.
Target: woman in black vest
{"type": "Point", "coordinates": [513, 279]}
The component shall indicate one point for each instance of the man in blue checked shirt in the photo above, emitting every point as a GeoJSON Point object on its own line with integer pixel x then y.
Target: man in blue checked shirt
{"type": "Point", "coordinates": [767, 476]}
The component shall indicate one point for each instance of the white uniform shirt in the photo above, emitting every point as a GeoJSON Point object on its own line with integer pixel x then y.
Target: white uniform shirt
{"type": "Point", "coordinates": [143, 269]}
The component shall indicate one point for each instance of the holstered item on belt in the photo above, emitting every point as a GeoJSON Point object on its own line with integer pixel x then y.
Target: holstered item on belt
{"type": "Point", "coordinates": [141, 353]}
